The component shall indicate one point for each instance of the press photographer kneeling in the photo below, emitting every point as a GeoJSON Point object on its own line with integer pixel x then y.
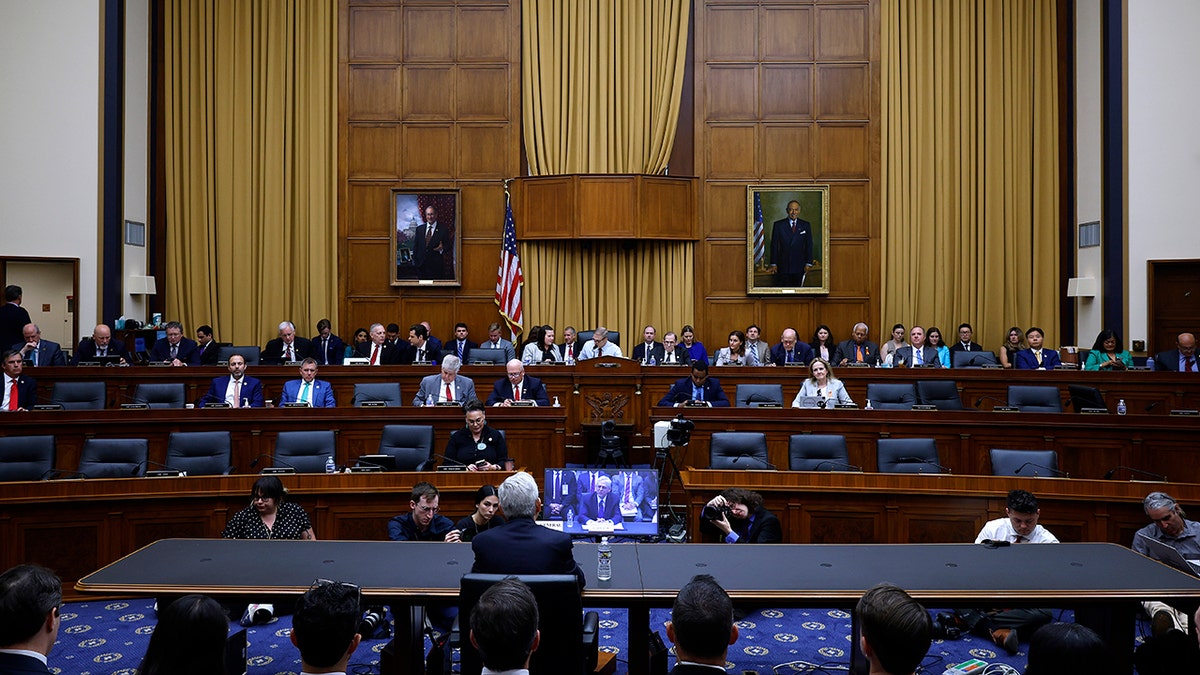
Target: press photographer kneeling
{"type": "Point", "coordinates": [739, 516]}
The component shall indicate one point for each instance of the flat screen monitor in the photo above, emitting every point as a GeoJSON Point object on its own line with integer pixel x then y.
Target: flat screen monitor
{"type": "Point", "coordinates": [973, 359]}
{"type": "Point", "coordinates": [480, 355]}
{"type": "Point", "coordinates": [632, 502]}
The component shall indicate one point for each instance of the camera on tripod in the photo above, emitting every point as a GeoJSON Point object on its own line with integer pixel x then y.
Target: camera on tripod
{"type": "Point", "coordinates": [680, 431]}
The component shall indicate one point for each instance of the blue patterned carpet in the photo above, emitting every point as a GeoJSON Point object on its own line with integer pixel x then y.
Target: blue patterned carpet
{"type": "Point", "coordinates": [109, 638]}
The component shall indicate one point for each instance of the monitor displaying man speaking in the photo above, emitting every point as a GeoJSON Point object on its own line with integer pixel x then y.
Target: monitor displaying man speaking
{"type": "Point", "coordinates": [587, 500]}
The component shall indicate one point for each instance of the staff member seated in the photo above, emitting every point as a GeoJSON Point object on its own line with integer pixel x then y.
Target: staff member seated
{"type": "Point", "coordinates": [518, 387]}
{"type": "Point", "coordinates": [697, 388]}
{"type": "Point", "coordinates": [478, 446]}
{"type": "Point", "coordinates": [422, 522]}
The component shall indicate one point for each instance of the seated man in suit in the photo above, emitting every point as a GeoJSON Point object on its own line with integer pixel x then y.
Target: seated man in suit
{"type": "Point", "coordinates": [518, 387]}
{"type": "Point", "coordinates": [918, 353]}
{"type": "Point", "coordinates": [698, 387]}
{"type": "Point", "coordinates": [701, 627]}
{"type": "Point", "coordinates": [740, 516]}
{"type": "Point", "coordinates": [328, 349]}
{"type": "Point", "coordinates": [210, 351]}
{"type": "Point", "coordinates": [758, 353]}
{"type": "Point", "coordinates": [857, 349]}
{"type": "Point", "coordinates": [630, 490]}
{"type": "Point", "coordinates": [39, 352]}
{"type": "Point", "coordinates": [569, 349]}
{"type": "Point", "coordinates": [308, 389]}
{"type": "Point", "coordinates": [419, 350]}
{"type": "Point", "coordinates": [964, 343]}
{"type": "Point", "coordinates": [175, 349]}
{"type": "Point", "coordinates": [422, 522]}
{"type": "Point", "coordinates": [435, 345]}
{"type": "Point", "coordinates": [20, 391]}
{"type": "Point", "coordinates": [1182, 359]}
{"type": "Point", "coordinates": [446, 386]}
{"type": "Point", "coordinates": [287, 348]}
{"type": "Point", "coordinates": [790, 350]}
{"type": "Point", "coordinates": [601, 505]}
{"type": "Point", "coordinates": [896, 630]}
{"type": "Point", "coordinates": [673, 352]}
{"type": "Point", "coordinates": [460, 346]}
{"type": "Point", "coordinates": [378, 350]}
{"type": "Point", "coordinates": [599, 346]}
{"type": "Point", "coordinates": [562, 494]}
{"type": "Point", "coordinates": [30, 599]}
{"type": "Point", "coordinates": [521, 546]}
{"type": "Point", "coordinates": [325, 626]}
{"type": "Point", "coordinates": [237, 388]}
{"type": "Point", "coordinates": [1035, 357]}
{"type": "Point", "coordinates": [504, 627]}
{"type": "Point", "coordinates": [649, 349]}
{"type": "Point", "coordinates": [99, 345]}
{"type": "Point", "coordinates": [497, 341]}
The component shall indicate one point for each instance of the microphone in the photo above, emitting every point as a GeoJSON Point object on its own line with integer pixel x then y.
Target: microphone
{"type": "Point", "coordinates": [1060, 474]}
{"type": "Point", "coordinates": [1003, 407]}
{"type": "Point", "coordinates": [364, 463]}
{"type": "Point", "coordinates": [833, 465]}
{"type": "Point", "coordinates": [254, 463]}
{"type": "Point", "coordinates": [54, 474]}
{"type": "Point", "coordinates": [452, 462]}
{"type": "Point", "coordinates": [1152, 406]}
{"type": "Point", "coordinates": [146, 463]}
{"type": "Point", "coordinates": [763, 462]}
{"type": "Point", "coordinates": [922, 460]}
{"type": "Point", "coordinates": [1111, 472]}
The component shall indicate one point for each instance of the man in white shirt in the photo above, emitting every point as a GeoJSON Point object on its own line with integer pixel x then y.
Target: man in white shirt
{"type": "Point", "coordinates": [325, 627]}
{"type": "Point", "coordinates": [504, 628]}
{"type": "Point", "coordinates": [599, 346]}
{"type": "Point", "coordinates": [757, 351]}
{"type": "Point", "coordinates": [28, 591]}
{"type": "Point", "coordinates": [19, 392]}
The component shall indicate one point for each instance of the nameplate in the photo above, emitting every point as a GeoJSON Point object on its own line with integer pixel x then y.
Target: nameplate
{"type": "Point", "coordinates": [48, 406]}
{"type": "Point", "coordinates": [607, 364]}
{"type": "Point", "coordinates": [217, 406]}
{"type": "Point", "coordinates": [924, 407]}
{"type": "Point", "coordinates": [846, 406]}
{"type": "Point", "coordinates": [422, 363]}
{"type": "Point", "coordinates": [161, 364]}
{"type": "Point", "coordinates": [277, 470]}
{"type": "Point", "coordinates": [524, 404]}
{"type": "Point", "coordinates": [768, 404]}
{"type": "Point", "coordinates": [1185, 413]}
{"type": "Point", "coordinates": [1137, 368]}
{"type": "Point", "coordinates": [364, 469]}
{"type": "Point", "coordinates": [448, 404]}
{"type": "Point", "coordinates": [291, 363]}
{"type": "Point", "coordinates": [797, 364]}
{"type": "Point", "coordinates": [992, 366]}
{"type": "Point", "coordinates": [452, 467]}
{"type": "Point", "coordinates": [696, 404]}
{"type": "Point", "coordinates": [88, 363]}
{"type": "Point", "coordinates": [1093, 411]}
{"type": "Point", "coordinates": [372, 404]}
{"type": "Point", "coordinates": [295, 404]}
{"type": "Point", "coordinates": [135, 406]}
{"type": "Point", "coordinates": [1067, 366]}
{"type": "Point", "coordinates": [164, 473]}
{"type": "Point", "coordinates": [481, 362]}
{"type": "Point", "coordinates": [858, 364]}
{"type": "Point", "coordinates": [356, 361]}
{"type": "Point", "coordinates": [1006, 408]}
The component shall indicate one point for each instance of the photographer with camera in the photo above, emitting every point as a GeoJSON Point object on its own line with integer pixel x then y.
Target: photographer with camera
{"type": "Point", "coordinates": [740, 517]}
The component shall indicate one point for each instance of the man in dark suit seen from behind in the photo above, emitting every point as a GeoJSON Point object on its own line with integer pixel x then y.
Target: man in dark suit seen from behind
{"type": "Point", "coordinates": [649, 348]}
{"type": "Point", "coordinates": [790, 350]}
{"type": "Point", "coordinates": [287, 348]}
{"type": "Point", "coordinates": [504, 627]}
{"type": "Point", "coordinates": [39, 352]}
{"type": "Point", "coordinates": [896, 630]}
{"type": "Point", "coordinates": [25, 390]}
{"type": "Point", "coordinates": [30, 602]}
{"type": "Point", "coordinates": [175, 349]}
{"type": "Point", "coordinates": [518, 386]}
{"type": "Point", "coordinates": [701, 627]}
{"type": "Point", "coordinates": [697, 387]}
{"type": "Point", "coordinates": [740, 517]}
{"type": "Point", "coordinates": [13, 317]}
{"type": "Point", "coordinates": [858, 349]}
{"type": "Point", "coordinates": [100, 344]}
{"type": "Point", "coordinates": [328, 349]}
{"type": "Point", "coordinates": [521, 546]}
{"type": "Point", "coordinates": [1181, 359]}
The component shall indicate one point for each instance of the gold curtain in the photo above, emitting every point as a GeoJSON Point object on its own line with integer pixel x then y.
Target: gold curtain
{"type": "Point", "coordinates": [601, 86]}
{"type": "Point", "coordinates": [970, 166]}
{"type": "Point", "coordinates": [251, 100]}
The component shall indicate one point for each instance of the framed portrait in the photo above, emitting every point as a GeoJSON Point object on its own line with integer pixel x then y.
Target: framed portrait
{"type": "Point", "coordinates": [787, 239]}
{"type": "Point", "coordinates": [426, 238]}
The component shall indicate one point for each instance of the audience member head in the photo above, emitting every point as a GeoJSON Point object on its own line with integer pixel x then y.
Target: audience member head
{"type": "Point", "coordinates": [361, 335]}
{"type": "Point", "coordinates": [699, 372]}
{"type": "Point", "coordinates": [1186, 343]}
{"type": "Point", "coordinates": [424, 504]}
{"type": "Point", "coordinates": [860, 332]}
{"type": "Point", "coordinates": [417, 334]}
{"type": "Point", "coordinates": [737, 342]}
{"type": "Point", "coordinates": [203, 334]}
{"type": "Point", "coordinates": [450, 366]}
{"type": "Point", "coordinates": [12, 293]}
{"type": "Point", "coordinates": [701, 625]}
{"type": "Point", "coordinates": [688, 335]}
{"type": "Point", "coordinates": [287, 332]}
{"type": "Point", "coordinates": [965, 332]}
{"type": "Point", "coordinates": [1022, 511]}
{"type": "Point", "coordinates": [823, 336]}
{"type": "Point", "coordinates": [570, 334]}
{"type": "Point", "coordinates": [1034, 336]}
{"type": "Point", "coordinates": [189, 639]}
{"type": "Point", "coordinates": [325, 625]}
{"type": "Point", "coordinates": [1014, 338]}
{"type": "Point", "coordinates": [934, 337]}
{"type": "Point", "coordinates": [1108, 341]}
{"type": "Point", "coordinates": [30, 598]}
{"type": "Point", "coordinates": [393, 332]}
{"type": "Point", "coordinates": [504, 625]}
{"type": "Point", "coordinates": [519, 496]}
{"type": "Point", "coordinates": [324, 327]}
{"type": "Point", "coordinates": [487, 501]}
{"type": "Point", "coordinates": [13, 362]}
{"type": "Point", "coordinates": [461, 331]}
{"type": "Point", "coordinates": [1165, 512]}
{"type": "Point", "coordinates": [174, 332]}
{"type": "Point", "coordinates": [1058, 648]}
{"type": "Point", "coordinates": [898, 332]}
{"type": "Point", "coordinates": [896, 630]}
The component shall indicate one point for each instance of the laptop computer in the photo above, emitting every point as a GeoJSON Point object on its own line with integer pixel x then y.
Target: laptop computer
{"type": "Point", "coordinates": [1170, 555]}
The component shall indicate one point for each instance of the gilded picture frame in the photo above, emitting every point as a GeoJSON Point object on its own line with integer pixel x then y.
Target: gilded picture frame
{"type": "Point", "coordinates": [781, 257]}
{"type": "Point", "coordinates": [420, 257]}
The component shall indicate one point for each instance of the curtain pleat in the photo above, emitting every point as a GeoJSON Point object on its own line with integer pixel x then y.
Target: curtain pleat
{"type": "Point", "coordinates": [251, 105]}
{"type": "Point", "coordinates": [970, 165]}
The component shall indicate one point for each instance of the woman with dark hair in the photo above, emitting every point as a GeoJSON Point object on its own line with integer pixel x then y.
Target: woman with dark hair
{"type": "Point", "coordinates": [694, 348]}
{"type": "Point", "coordinates": [360, 335]}
{"type": "Point", "coordinates": [1068, 648]}
{"type": "Point", "coordinates": [1014, 341]}
{"type": "Point", "coordinates": [887, 351]}
{"type": "Point", "coordinates": [735, 353]}
{"type": "Point", "coordinates": [738, 516]}
{"type": "Point", "coordinates": [1108, 353]}
{"type": "Point", "coordinates": [188, 640]}
{"type": "Point", "coordinates": [269, 515]}
{"type": "Point", "coordinates": [822, 343]}
{"type": "Point", "coordinates": [541, 349]}
{"type": "Point", "coordinates": [477, 446]}
{"type": "Point", "coordinates": [487, 503]}
{"type": "Point", "coordinates": [933, 337]}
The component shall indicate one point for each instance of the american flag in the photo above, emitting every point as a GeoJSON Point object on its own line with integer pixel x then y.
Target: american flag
{"type": "Point", "coordinates": [759, 236]}
{"type": "Point", "coordinates": [509, 277]}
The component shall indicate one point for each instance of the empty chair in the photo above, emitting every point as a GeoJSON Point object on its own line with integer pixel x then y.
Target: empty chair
{"type": "Point", "coordinates": [1084, 397]}
{"type": "Point", "coordinates": [25, 457]}
{"type": "Point", "coordinates": [570, 639]}
{"type": "Point", "coordinates": [738, 450]}
{"type": "Point", "coordinates": [248, 352]}
{"type": "Point", "coordinates": [1027, 463]}
{"type": "Point", "coordinates": [485, 355]}
{"type": "Point", "coordinates": [304, 451]}
{"type": "Point", "coordinates": [1031, 398]}
{"type": "Point", "coordinates": [891, 396]}
{"type": "Point", "coordinates": [754, 395]}
{"type": "Point", "coordinates": [908, 455]}
{"type": "Point", "coordinates": [941, 393]}
{"type": "Point", "coordinates": [410, 444]}
{"type": "Point", "coordinates": [79, 395]}
{"type": "Point", "coordinates": [199, 453]}
{"type": "Point", "coordinates": [114, 457]}
{"type": "Point", "coordinates": [388, 392]}
{"type": "Point", "coordinates": [973, 359]}
{"type": "Point", "coordinates": [167, 395]}
{"type": "Point", "coordinates": [818, 452]}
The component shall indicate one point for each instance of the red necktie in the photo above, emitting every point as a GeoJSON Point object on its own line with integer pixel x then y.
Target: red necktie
{"type": "Point", "coordinates": [375, 355]}
{"type": "Point", "coordinates": [516, 393]}
{"type": "Point", "coordinates": [449, 394]}
{"type": "Point", "coordinates": [1187, 367]}
{"type": "Point", "coordinates": [12, 396]}
{"type": "Point", "coordinates": [289, 353]}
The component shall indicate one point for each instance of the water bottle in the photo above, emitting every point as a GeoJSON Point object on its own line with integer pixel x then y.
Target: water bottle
{"type": "Point", "coordinates": [330, 467]}
{"type": "Point", "coordinates": [570, 360]}
{"type": "Point", "coordinates": [604, 560]}
{"type": "Point", "coordinates": [653, 361]}
{"type": "Point", "coordinates": [1121, 407]}
{"type": "Point", "coordinates": [570, 516]}
{"type": "Point", "coordinates": [556, 403]}
{"type": "Point", "coordinates": [868, 405]}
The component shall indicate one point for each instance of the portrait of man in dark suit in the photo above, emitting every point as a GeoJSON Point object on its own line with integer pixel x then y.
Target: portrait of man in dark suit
{"type": "Point", "coordinates": [788, 239]}
{"type": "Point", "coordinates": [426, 237]}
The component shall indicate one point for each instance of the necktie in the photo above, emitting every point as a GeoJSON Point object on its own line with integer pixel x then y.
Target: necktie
{"type": "Point", "coordinates": [793, 227]}
{"type": "Point", "coordinates": [600, 508]}
{"type": "Point", "coordinates": [753, 352]}
{"type": "Point", "coordinates": [102, 352]}
{"type": "Point", "coordinates": [449, 394]}
{"type": "Point", "coordinates": [375, 355]}
{"type": "Point", "coordinates": [1038, 354]}
{"type": "Point", "coordinates": [516, 392]}
{"type": "Point", "coordinates": [35, 354]}
{"type": "Point", "coordinates": [325, 350]}
{"type": "Point", "coordinates": [670, 357]}
{"type": "Point", "coordinates": [12, 396]}
{"type": "Point", "coordinates": [919, 358]}
{"type": "Point", "coordinates": [628, 488]}
{"type": "Point", "coordinates": [1019, 539]}
{"type": "Point", "coordinates": [428, 235]}
{"type": "Point", "coordinates": [460, 349]}
{"type": "Point", "coordinates": [237, 393]}
{"type": "Point", "coordinates": [304, 392]}
{"type": "Point", "coordinates": [570, 351]}
{"type": "Point", "coordinates": [789, 357]}
{"type": "Point", "coordinates": [420, 354]}
{"type": "Point", "coordinates": [174, 352]}
{"type": "Point", "coordinates": [1187, 366]}
{"type": "Point", "coordinates": [858, 354]}
{"type": "Point", "coordinates": [289, 354]}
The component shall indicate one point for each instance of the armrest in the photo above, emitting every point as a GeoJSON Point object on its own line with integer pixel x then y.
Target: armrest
{"type": "Point", "coordinates": [591, 640]}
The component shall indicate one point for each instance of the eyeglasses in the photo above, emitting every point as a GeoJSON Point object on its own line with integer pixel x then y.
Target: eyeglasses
{"type": "Point", "coordinates": [319, 583]}
{"type": "Point", "coordinates": [427, 509]}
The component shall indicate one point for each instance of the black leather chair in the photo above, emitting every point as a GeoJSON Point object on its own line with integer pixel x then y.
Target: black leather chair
{"type": "Point", "coordinates": [754, 395]}
{"type": "Point", "coordinates": [160, 395]}
{"type": "Point", "coordinates": [304, 451]}
{"type": "Point", "coordinates": [1034, 398]}
{"type": "Point", "coordinates": [570, 638]}
{"type": "Point", "coordinates": [388, 392]}
{"type": "Point", "coordinates": [25, 457]}
{"type": "Point", "coordinates": [891, 396]}
{"type": "Point", "coordinates": [941, 393]}
{"type": "Point", "coordinates": [79, 395]}
{"type": "Point", "coordinates": [1083, 396]}
{"type": "Point", "coordinates": [485, 355]}
{"type": "Point", "coordinates": [248, 352]}
{"type": "Point", "coordinates": [1009, 462]}
{"type": "Point", "coordinates": [200, 453]}
{"type": "Point", "coordinates": [614, 336]}
{"type": "Point", "coordinates": [818, 452]}
{"type": "Point", "coordinates": [114, 457]}
{"type": "Point", "coordinates": [410, 444]}
{"type": "Point", "coordinates": [907, 455]}
{"type": "Point", "coordinates": [972, 359]}
{"type": "Point", "coordinates": [738, 450]}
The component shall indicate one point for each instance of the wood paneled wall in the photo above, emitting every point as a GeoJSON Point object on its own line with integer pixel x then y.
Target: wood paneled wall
{"type": "Point", "coordinates": [784, 93]}
{"type": "Point", "coordinates": [429, 98]}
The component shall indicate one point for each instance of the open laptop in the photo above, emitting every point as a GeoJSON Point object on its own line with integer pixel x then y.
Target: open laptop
{"type": "Point", "coordinates": [1169, 555]}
